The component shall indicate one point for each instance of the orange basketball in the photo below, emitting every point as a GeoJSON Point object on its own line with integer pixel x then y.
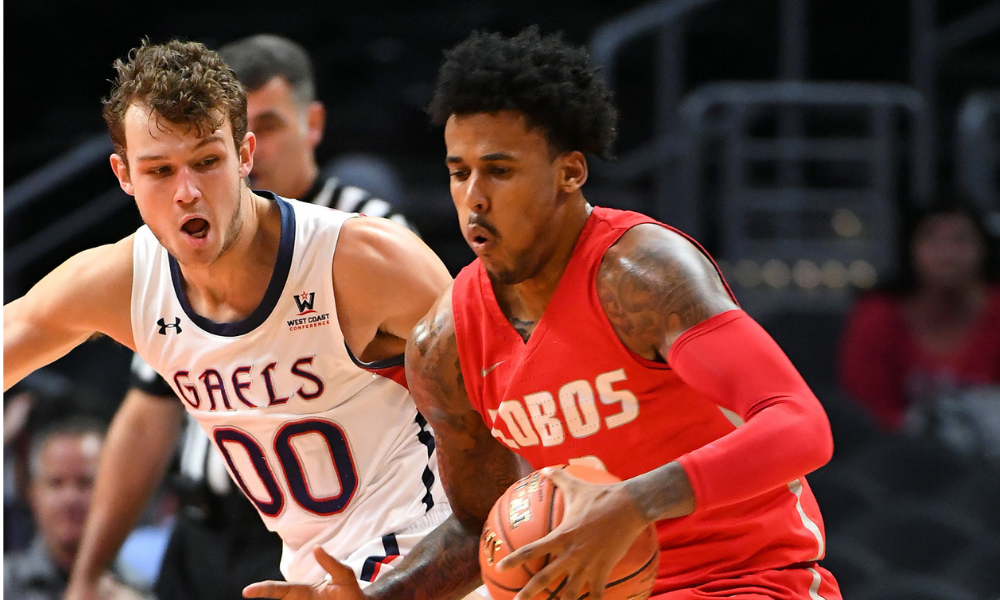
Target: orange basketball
{"type": "Point", "coordinates": [533, 507]}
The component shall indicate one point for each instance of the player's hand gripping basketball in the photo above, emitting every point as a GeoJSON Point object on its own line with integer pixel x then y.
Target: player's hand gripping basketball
{"type": "Point", "coordinates": [599, 524]}
{"type": "Point", "coordinates": [341, 585]}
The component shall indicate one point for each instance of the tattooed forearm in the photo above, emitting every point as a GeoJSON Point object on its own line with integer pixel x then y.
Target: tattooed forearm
{"type": "Point", "coordinates": [663, 493]}
{"type": "Point", "coordinates": [654, 285]}
{"type": "Point", "coordinates": [474, 467]}
{"type": "Point", "coordinates": [444, 566]}
{"type": "Point", "coordinates": [433, 370]}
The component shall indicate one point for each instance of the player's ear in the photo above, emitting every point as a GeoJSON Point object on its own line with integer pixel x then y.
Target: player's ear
{"type": "Point", "coordinates": [246, 150]}
{"type": "Point", "coordinates": [316, 122]}
{"type": "Point", "coordinates": [573, 171]}
{"type": "Point", "coordinates": [120, 167]}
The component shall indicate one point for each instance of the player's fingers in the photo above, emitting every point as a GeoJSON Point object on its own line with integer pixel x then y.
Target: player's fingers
{"type": "Point", "coordinates": [558, 476]}
{"type": "Point", "coordinates": [546, 579]}
{"type": "Point", "coordinates": [567, 484]}
{"type": "Point", "coordinates": [572, 589]}
{"type": "Point", "coordinates": [268, 589]}
{"type": "Point", "coordinates": [535, 549]}
{"type": "Point", "coordinates": [340, 574]}
{"type": "Point", "coordinates": [597, 583]}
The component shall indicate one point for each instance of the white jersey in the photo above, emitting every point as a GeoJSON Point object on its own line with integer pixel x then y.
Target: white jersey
{"type": "Point", "coordinates": [330, 450]}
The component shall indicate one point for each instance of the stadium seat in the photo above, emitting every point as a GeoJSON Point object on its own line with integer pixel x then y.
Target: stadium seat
{"type": "Point", "coordinates": [979, 496]}
{"type": "Point", "coordinates": [917, 468]}
{"type": "Point", "coordinates": [913, 587]}
{"type": "Point", "coordinates": [852, 564]}
{"type": "Point", "coordinates": [979, 569]}
{"type": "Point", "coordinates": [844, 494]}
{"type": "Point", "coordinates": [917, 536]}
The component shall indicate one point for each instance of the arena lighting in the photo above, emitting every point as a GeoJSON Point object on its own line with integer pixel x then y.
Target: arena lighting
{"type": "Point", "coordinates": [862, 274]}
{"type": "Point", "coordinates": [806, 274]}
{"type": "Point", "coordinates": [747, 273]}
{"type": "Point", "coordinates": [776, 273]}
{"type": "Point", "coordinates": [834, 274]}
{"type": "Point", "coordinates": [846, 223]}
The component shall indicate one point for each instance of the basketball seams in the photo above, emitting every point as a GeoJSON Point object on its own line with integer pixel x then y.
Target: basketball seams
{"type": "Point", "coordinates": [611, 584]}
{"type": "Point", "coordinates": [552, 491]}
{"type": "Point", "coordinates": [505, 534]}
{"type": "Point", "coordinates": [636, 573]}
{"type": "Point", "coordinates": [499, 585]}
{"type": "Point", "coordinates": [636, 584]}
{"type": "Point", "coordinates": [554, 593]}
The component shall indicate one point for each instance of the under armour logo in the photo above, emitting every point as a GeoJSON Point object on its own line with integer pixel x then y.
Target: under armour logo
{"type": "Point", "coordinates": [164, 326]}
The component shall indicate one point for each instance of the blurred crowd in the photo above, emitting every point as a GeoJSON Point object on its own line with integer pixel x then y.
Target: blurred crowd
{"type": "Point", "coordinates": [909, 499]}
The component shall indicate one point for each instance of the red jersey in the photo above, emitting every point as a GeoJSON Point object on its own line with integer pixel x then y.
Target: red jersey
{"type": "Point", "coordinates": [575, 390]}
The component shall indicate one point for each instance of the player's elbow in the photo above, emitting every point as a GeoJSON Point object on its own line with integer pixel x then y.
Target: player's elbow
{"type": "Point", "coordinates": [818, 438]}
{"type": "Point", "coordinates": [804, 424]}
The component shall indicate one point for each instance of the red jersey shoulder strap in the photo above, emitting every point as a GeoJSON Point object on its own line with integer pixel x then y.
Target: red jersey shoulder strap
{"type": "Point", "coordinates": [469, 316]}
{"type": "Point", "coordinates": [620, 221]}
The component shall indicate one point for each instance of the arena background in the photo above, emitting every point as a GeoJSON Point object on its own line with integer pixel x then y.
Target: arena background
{"type": "Point", "coordinates": [790, 136]}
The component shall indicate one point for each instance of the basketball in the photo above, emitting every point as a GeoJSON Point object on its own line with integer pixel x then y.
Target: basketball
{"type": "Point", "coordinates": [533, 507]}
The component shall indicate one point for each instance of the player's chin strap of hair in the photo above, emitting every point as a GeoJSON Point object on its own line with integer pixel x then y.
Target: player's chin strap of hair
{"type": "Point", "coordinates": [730, 360]}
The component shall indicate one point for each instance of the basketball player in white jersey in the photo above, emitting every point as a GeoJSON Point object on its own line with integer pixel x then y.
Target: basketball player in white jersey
{"type": "Point", "coordinates": [218, 543]}
{"type": "Point", "coordinates": [280, 325]}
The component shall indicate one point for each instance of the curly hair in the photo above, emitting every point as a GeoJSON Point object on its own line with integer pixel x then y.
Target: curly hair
{"type": "Point", "coordinates": [184, 83]}
{"type": "Point", "coordinates": [550, 82]}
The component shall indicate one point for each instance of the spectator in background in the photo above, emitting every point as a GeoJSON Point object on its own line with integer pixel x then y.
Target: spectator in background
{"type": "Point", "coordinates": [219, 543]}
{"type": "Point", "coordinates": [18, 526]}
{"type": "Point", "coordinates": [935, 330]}
{"type": "Point", "coordinates": [62, 464]}
{"type": "Point", "coordinates": [43, 398]}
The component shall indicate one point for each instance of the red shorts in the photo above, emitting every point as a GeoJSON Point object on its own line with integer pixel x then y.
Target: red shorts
{"type": "Point", "coordinates": [801, 583]}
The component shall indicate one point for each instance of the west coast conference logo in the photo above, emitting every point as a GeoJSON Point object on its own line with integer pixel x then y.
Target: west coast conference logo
{"type": "Point", "coordinates": [307, 316]}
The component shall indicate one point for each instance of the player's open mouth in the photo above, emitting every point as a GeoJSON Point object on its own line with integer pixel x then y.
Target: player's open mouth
{"type": "Point", "coordinates": [480, 241]}
{"type": "Point", "coordinates": [196, 228]}
{"type": "Point", "coordinates": [480, 235]}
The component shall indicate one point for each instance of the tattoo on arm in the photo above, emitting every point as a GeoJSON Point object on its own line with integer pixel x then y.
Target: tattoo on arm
{"type": "Point", "coordinates": [444, 573]}
{"type": "Point", "coordinates": [653, 285]}
{"type": "Point", "coordinates": [475, 469]}
{"type": "Point", "coordinates": [663, 493]}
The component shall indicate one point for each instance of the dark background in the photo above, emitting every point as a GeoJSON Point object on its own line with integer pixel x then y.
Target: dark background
{"type": "Point", "coordinates": [376, 63]}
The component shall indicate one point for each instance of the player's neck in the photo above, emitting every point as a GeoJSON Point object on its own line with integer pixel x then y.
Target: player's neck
{"type": "Point", "coordinates": [528, 299]}
{"type": "Point", "coordinates": [231, 287]}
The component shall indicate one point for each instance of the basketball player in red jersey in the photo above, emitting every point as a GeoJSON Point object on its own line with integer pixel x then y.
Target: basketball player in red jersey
{"type": "Point", "coordinates": [585, 334]}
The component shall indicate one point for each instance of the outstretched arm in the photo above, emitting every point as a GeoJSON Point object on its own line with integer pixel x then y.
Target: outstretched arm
{"type": "Point", "coordinates": [138, 448]}
{"type": "Point", "coordinates": [89, 293]}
